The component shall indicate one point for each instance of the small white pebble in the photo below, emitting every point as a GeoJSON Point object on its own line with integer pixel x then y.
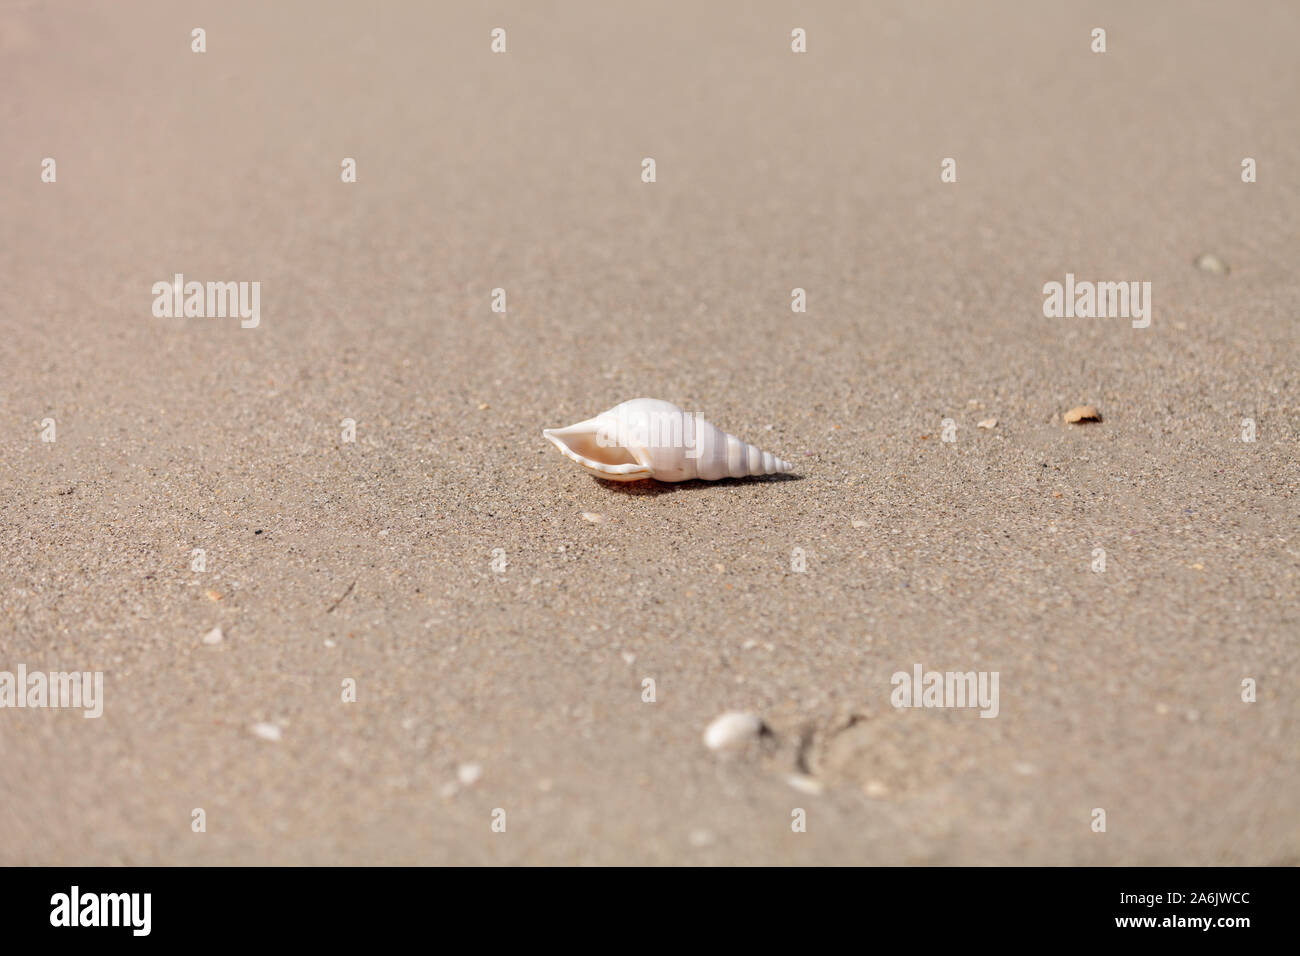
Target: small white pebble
{"type": "Point", "coordinates": [592, 517]}
{"type": "Point", "coordinates": [469, 773]}
{"type": "Point", "coordinates": [1024, 769]}
{"type": "Point", "coordinates": [214, 636]}
{"type": "Point", "coordinates": [988, 423]}
{"type": "Point", "coordinates": [701, 838]}
{"type": "Point", "coordinates": [629, 658]}
{"type": "Point", "coordinates": [267, 731]}
{"type": "Point", "coordinates": [804, 783]}
{"type": "Point", "coordinates": [859, 523]}
{"type": "Point", "coordinates": [874, 788]}
{"type": "Point", "coordinates": [329, 643]}
{"type": "Point", "coordinates": [1209, 262]}
{"type": "Point", "coordinates": [732, 729]}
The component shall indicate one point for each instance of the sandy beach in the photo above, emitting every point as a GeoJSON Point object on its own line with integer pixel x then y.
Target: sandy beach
{"type": "Point", "coordinates": [356, 491]}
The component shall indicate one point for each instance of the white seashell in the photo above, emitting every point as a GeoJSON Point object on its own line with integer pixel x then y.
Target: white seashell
{"type": "Point", "coordinates": [701, 837]}
{"type": "Point", "coordinates": [651, 438]}
{"type": "Point", "coordinates": [805, 784]}
{"type": "Point", "coordinates": [267, 731]}
{"type": "Point", "coordinates": [733, 729]}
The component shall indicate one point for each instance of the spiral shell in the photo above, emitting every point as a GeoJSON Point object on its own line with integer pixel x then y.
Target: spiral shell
{"type": "Point", "coordinates": [651, 438]}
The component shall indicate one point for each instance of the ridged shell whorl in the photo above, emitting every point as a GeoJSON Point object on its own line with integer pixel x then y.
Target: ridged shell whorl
{"type": "Point", "coordinates": [651, 438]}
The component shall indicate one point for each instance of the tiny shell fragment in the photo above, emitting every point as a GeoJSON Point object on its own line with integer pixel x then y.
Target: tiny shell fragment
{"type": "Point", "coordinates": [733, 729]}
{"type": "Point", "coordinates": [214, 636]}
{"type": "Point", "coordinates": [701, 838]}
{"type": "Point", "coordinates": [1082, 413]}
{"type": "Point", "coordinates": [988, 423]}
{"type": "Point", "coordinates": [267, 731]}
{"type": "Point", "coordinates": [805, 784]}
{"type": "Point", "coordinates": [1209, 262]}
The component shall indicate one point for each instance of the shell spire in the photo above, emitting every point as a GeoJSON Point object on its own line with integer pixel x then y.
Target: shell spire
{"type": "Point", "coordinates": [651, 438]}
